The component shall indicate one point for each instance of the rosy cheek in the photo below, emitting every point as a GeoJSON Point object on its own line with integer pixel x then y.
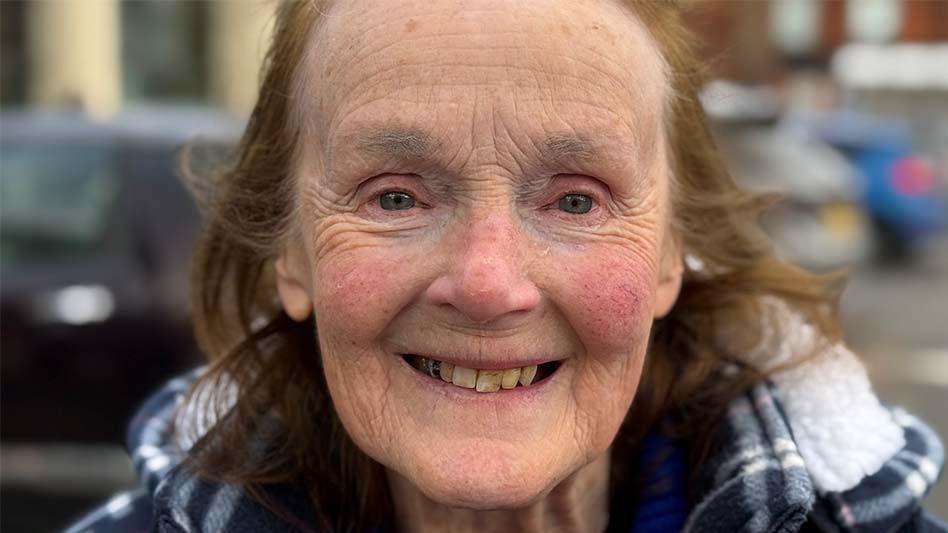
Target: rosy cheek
{"type": "Point", "coordinates": [359, 293]}
{"type": "Point", "coordinates": [613, 301]}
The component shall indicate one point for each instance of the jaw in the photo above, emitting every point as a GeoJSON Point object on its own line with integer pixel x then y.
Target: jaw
{"type": "Point", "coordinates": [575, 502]}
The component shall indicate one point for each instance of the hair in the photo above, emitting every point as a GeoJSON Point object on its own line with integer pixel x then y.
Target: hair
{"type": "Point", "coordinates": [692, 371]}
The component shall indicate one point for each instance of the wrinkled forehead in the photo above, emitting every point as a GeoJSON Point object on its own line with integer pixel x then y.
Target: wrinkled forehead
{"type": "Point", "coordinates": [438, 52]}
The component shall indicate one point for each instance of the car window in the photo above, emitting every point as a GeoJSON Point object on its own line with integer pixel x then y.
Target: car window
{"type": "Point", "coordinates": [55, 201]}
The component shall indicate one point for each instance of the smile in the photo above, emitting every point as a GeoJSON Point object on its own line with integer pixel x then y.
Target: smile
{"type": "Point", "coordinates": [482, 380]}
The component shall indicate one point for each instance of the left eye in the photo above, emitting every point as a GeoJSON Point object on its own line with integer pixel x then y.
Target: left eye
{"type": "Point", "coordinates": [576, 204]}
{"type": "Point", "coordinates": [396, 201]}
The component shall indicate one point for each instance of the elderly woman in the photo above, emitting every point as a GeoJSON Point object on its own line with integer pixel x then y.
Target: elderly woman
{"type": "Point", "coordinates": [478, 267]}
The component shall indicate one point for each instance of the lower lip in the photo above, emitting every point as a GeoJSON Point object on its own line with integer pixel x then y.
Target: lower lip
{"type": "Point", "coordinates": [504, 397]}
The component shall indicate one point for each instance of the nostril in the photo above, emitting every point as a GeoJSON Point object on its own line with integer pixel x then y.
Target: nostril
{"type": "Point", "coordinates": [440, 292]}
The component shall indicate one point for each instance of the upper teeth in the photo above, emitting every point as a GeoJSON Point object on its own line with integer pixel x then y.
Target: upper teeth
{"type": "Point", "coordinates": [481, 380]}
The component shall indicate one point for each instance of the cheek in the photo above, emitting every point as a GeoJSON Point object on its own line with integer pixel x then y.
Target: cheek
{"type": "Point", "coordinates": [610, 298]}
{"type": "Point", "coordinates": [359, 293]}
{"type": "Point", "coordinates": [613, 297]}
{"type": "Point", "coordinates": [356, 295]}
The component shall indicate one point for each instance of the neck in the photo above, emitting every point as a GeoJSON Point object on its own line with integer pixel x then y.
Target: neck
{"type": "Point", "coordinates": [580, 503]}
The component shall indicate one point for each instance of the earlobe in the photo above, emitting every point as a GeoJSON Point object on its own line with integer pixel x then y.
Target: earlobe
{"type": "Point", "coordinates": [292, 289]}
{"type": "Point", "coordinates": [669, 281]}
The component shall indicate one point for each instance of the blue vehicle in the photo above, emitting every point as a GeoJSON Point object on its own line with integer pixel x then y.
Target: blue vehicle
{"type": "Point", "coordinates": [901, 193]}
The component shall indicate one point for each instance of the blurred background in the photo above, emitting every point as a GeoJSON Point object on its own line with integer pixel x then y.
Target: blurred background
{"type": "Point", "coordinates": [840, 106]}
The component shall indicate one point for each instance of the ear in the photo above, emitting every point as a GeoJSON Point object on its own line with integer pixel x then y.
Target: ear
{"type": "Point", "coordinates": [292, 283]}
{"type": "Point", "coordinates": [670, 272]}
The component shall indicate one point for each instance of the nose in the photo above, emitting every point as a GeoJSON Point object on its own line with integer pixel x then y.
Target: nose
{"type": "Point", "coordinates": [487, 278]}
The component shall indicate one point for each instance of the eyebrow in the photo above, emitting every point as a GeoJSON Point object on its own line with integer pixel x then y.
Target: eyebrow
{"type": "Point", "coordinates": [564, 146]}
{"type": "Point", "coordinates": [400, 143]}
{"type": "Point", "coordinates": [413, 144]}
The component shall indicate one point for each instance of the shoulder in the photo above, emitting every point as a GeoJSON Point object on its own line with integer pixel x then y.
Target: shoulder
{"type": "Point", "coordinates": [816, 432]}
{"type": "Point", "coordinates": [126, 512]}
{"type": "Point", "coordinates": [185, 502]}
{"type": "Point", "coordinates": [891, 498]}
{"type": "Point", "coordinates": [172, 498]}
{"type": "Point", "coordinates": [770, 471]}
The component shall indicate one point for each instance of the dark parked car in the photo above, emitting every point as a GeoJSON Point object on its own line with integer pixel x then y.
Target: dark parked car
{"type": "Point", "coordinates": [95, 235]}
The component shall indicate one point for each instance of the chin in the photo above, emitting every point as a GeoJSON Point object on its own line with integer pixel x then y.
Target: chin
{"type": "Point", "coordinates": [495, 486]}
{"type": "Point", "coordinates": [483, 495]}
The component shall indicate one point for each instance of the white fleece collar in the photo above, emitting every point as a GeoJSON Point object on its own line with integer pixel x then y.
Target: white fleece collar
{"type": "Point", "coordinates": [842, 431]}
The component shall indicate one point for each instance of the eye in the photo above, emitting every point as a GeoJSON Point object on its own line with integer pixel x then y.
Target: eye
{"type": "Point", "coordinates": [396, 201]}
{"type": "Point", "coordinates": [576, 204]}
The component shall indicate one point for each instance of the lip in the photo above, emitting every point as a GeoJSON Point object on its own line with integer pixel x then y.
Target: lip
{"type": "Point", "coordinates": [483, 364]}
{"type": "Point", "coordinates": [528, 394]}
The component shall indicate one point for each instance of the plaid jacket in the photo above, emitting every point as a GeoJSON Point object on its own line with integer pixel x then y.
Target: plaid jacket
{"type": "Point", "coordinates": [757, 482]}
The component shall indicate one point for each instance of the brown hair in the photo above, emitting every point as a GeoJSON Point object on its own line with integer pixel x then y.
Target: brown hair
{"type": "Point", "coordinates": [273, 361]}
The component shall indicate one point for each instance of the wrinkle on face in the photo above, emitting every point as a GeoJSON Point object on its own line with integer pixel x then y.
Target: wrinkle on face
{"type": "Point", "coordinates": [353, 71]}
{"type": "Point", "coordinates": [485, 105]}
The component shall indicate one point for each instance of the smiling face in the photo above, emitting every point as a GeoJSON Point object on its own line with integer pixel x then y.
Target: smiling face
{"type": "Point", "coordinates": [485, 187]}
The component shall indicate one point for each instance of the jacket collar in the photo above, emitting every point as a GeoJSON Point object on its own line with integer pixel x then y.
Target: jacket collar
{"type": "Point", "coordinates": [760, 482]}
{"type": "Point", "coordinates": [757, 479]}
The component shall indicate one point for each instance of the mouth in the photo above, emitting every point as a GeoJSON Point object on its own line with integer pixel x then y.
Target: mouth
{"type": "Point", "coordinates": [486, 381]}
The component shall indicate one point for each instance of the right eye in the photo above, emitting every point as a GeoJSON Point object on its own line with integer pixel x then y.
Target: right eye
{"type": "Point", "coordinates": [396, 201]}
{"type": "Point", "coordinates": [577, 204]}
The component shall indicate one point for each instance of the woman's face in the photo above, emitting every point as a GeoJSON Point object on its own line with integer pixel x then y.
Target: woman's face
{"type": "Point", "coordinates": [484, 184]}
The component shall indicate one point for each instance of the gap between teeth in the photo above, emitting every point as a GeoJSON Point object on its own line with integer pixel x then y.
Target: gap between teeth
{"type": "Point", "coordinates": [480, 380]}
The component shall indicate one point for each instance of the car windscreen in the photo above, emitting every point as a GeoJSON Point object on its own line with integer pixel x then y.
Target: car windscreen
{"type": "Point", "coordinates": [55, 200]}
